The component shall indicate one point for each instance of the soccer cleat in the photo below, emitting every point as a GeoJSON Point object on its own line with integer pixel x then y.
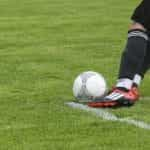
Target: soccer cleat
{"type": "Point", "coordinates": [116, 98]}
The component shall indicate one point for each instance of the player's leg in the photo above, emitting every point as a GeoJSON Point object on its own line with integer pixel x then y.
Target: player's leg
{"type": "Point", "coordinates": [142, 15]}
{"type": "Point", "coordinates": [133, 56]}
{"type": "Point", "coordinates": [132, 60]}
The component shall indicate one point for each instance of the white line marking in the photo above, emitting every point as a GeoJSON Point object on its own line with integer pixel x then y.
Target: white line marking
{"type": "Point", "coordinates": [109, 116]}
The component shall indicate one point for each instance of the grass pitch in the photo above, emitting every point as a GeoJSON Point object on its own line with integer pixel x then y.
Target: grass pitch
{"type": "Point", "coordinates": [45, 44]}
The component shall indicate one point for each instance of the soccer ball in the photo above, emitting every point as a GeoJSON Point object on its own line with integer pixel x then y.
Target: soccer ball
{"type": "Point", "coordinates": [89, 86]}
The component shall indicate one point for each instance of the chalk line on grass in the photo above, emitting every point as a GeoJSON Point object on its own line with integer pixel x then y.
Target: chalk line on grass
{"type": "Point", "coordinates": [109, 116]}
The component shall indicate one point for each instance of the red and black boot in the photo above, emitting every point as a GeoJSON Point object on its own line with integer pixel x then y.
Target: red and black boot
{"type": "Point", "coordinates": [117, 97]}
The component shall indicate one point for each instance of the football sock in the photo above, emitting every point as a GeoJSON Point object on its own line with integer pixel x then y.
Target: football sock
{"type": "Point", "coordinates": [137, 80]}
{"type": "Point", "coordinates": [133, 55]}
{"type": "Point", "coordinates": [127, 84]}
{"type": "Point", "coordinates": [124, 84]}
{"type": "Point", "coordinates": [146, 64]}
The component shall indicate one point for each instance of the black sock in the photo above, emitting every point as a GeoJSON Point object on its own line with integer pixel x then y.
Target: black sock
{"type": "Point", "coordinates": [134, 53]}
{"type": "Point", "coordinates": [146, 63]}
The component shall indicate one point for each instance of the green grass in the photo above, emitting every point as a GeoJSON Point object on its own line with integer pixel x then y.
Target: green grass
{"type": "Point", "coordinates": [45, 44]}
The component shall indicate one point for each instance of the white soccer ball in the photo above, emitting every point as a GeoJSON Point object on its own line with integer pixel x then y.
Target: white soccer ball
{"type": "Point", "coordinates": [89, 86]}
